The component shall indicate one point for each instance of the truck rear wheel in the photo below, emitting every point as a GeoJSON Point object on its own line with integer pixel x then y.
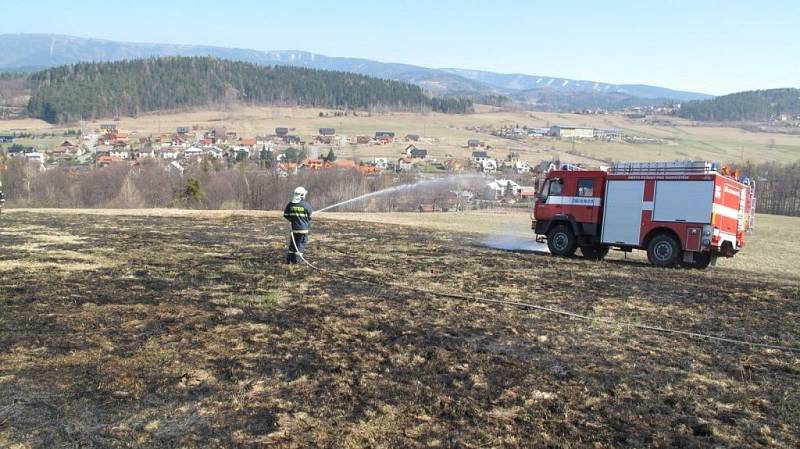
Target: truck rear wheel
{"type": "Point", "coordinates": [595, 252]}
{"type": "Point", "coordinates": [663, 251]}
{"type": "Point", "coordinates": [561, 241]}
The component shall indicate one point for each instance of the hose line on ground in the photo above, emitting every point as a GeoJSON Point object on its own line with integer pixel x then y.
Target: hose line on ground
{"type": "Point", "coordinates": [525, 305]}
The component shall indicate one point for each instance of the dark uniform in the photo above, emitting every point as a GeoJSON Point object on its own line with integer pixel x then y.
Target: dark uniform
{"type": "Point", "coordinates": [299, 214]}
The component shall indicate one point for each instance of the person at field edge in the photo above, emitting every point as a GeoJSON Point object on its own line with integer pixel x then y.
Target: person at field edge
{"type": "Point", "coordinates": [298, 212]}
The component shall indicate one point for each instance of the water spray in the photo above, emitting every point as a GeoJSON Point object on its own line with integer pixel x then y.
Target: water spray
{"type": "Point", "coordinates": [402, 187]}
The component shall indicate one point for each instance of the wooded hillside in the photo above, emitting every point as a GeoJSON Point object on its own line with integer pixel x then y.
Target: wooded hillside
{"type": "Point", "coordinates": [755, 105]}
{"type": "Point", "coordinates": [92, 90]}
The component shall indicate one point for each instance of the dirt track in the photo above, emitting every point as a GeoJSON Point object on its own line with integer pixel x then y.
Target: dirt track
{"type": "Point", "coordinates": [188, 332]}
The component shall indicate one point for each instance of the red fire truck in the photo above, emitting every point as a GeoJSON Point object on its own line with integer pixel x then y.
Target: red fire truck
{"type": "Point", "coordinates": [682, 213]}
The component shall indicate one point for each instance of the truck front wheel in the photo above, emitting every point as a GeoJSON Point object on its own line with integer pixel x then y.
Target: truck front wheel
{"type": "Point", "coordinates": [561, 241]}
{"type": "Point", "coordinates": [664, 251]}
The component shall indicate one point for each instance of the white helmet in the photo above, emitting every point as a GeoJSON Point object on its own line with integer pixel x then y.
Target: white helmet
{"type": "Point", "coordinates": [299, 194]}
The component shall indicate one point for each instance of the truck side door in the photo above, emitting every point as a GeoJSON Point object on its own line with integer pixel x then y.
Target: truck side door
{"type": "Point", "coordinates": [586, 202]}
{"type": "Point", "coordinates": [549, 200]}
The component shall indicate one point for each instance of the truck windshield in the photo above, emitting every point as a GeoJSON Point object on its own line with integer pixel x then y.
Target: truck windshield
{"type": "Point", "coordinates": [551, 187]}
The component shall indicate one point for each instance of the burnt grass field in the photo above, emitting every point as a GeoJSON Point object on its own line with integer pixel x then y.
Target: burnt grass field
{"type": "Point", "coordinates": [189, 332]}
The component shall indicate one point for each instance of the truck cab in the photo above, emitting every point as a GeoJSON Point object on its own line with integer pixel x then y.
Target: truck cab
{"type": "Point", "coordinates": [571, 201]}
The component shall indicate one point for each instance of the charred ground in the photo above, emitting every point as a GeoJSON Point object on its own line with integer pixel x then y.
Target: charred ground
{"type": "Point", "coordinates": [186, 332]}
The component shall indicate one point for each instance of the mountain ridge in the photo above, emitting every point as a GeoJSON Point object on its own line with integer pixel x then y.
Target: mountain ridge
{"type": "Point", "coordinates": [41, 51]}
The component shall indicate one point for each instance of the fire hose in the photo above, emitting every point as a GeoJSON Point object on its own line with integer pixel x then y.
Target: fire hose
{"type": "Point", "coordinates": [526, 305]}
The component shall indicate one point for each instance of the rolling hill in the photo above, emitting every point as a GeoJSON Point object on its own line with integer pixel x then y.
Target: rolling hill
{"type": "Point", "coordinates": [130, 87]}
{"type": "Point", "coordinates": [754, 105]}
{"type": "Point", "coordinates": [37, 51]}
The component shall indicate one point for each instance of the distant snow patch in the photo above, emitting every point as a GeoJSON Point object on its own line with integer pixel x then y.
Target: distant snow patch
{"type": "Point", "coordinates": [564, 83]}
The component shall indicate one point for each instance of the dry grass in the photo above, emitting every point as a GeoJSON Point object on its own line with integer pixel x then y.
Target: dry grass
{"type": "Point", "coordinates": [197, 336]}
{"type": "Point", "coordinates": [773, 248]}
{"type": "Point", "coordinates": [445, 134]}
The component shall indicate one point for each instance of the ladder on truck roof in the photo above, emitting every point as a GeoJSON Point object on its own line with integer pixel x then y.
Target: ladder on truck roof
{"type": "Point", "coordinates": [651, 168]}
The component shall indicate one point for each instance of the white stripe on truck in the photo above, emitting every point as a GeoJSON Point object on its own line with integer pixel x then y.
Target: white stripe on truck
{"type": "Point", "coordinates": [574, 200]}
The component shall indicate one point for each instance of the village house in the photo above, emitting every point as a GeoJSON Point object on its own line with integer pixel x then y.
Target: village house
{"type": "Point", "coordinates": [215, 152]}
{"type": "Point", "coordinates": [478, 157]}
{"type": "Point", "coordinates": [521, 167]}
{"type": "Point", "coordinates": [217, 136]}
{"type": "Point", "coordinates": [6, 138]}
{"type": "Point", "coordinates": [240, 152]}
{"type": "Point", "coordinates": [247, 142]}
{"type": "Point", "coordinates": [179, 140]}
{"type": "Point", "coordinates": [312, 164]}
{"type": "Point", "coordinates": [112, 137]}
{"type": "Point", "coordinates": [120, 152]}
{"type": "Point", "coordinates": [35, 156]}
{"type": "Point", "coordinates": [104, 161]}
{"type": "Point", "coordinates": [368, 169]}
{"type": "Point", "coordinates": [412, 138]}
{"type": "Point", "coordinates": [18, 151]}
{"type": "Point", "coordinates": [363, 140]}
{"type": "Point", "coordinates": [384, 137]}
{"type": "Point", "coordinates": [474, 143]}
{"type": "Point", "coordinates": [416, 153]}
{"type": "Point", "coordinates": [488, 166]}
{"type": "Point", "coordinates": [145, 152]}
{"type": "Point", "coordinates": [192, 152]}
{"type": "Point", "coordinates": [343, 164]}
{"type": "Point", "coordinates": [102, 150]}
{"type": "Point", "coordinates": [169, 153]}
{"type": "Point", "coordinates": [67, 149]}
{"type": "Point", "coordinates": [571, 132]}
{"type": "Point", "coordinates": [406, 163]}
{"type": "Point", "coordinates": [281, 132]}
{"type": "Point", "coordinates": [381, 162]}
{"type": "Point", "coordinates": [285, 168]}
{"type": "Point", "coordinates": [292, 140]}
{"type": "Point", "coordinates": [500, 188]}
{"type": "Point", "coordinates": [182, 130]}
{"type": "Point", "coordinates": [327, 131]}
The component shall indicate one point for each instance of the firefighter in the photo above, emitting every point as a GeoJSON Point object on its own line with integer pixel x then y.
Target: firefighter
{"type": "Point", "coordinates": [298, 212]}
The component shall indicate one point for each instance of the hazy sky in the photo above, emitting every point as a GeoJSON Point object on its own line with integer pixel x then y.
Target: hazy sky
{"type": "Point", "coordinates": [714, 47]}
